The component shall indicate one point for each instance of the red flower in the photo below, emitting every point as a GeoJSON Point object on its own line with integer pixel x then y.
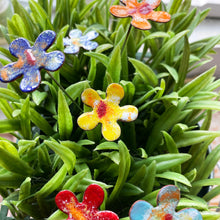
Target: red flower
{"type": "Point", "coordinates": [140, 12]}
{"type": "Point", "coordinates": [88, 208]}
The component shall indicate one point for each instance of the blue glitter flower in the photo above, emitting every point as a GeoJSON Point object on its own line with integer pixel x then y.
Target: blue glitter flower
{"type": "Point", "coordinates": [167, 200]}
{"type": "Point", "coordinates": [31, 60]}
{"type": "Point", "coordinates": [76, 40]}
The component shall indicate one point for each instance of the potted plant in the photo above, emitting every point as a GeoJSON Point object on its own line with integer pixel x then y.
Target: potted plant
{"type": "Point", "coordinates": [145, 70]}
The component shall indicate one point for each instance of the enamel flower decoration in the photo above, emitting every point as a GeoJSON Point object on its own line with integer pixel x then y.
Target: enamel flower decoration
{"type": "Point", "coordinates": [141, 12]}
{"type": "Point", "coordinates": [106, 111]}
{"type": "Point", "coordinates": [88, 208]}
{"type": "Point", "coordinates": [167, 200]}
{"type": "Point", "coordinates": [76, 40]}
{"type": "Point", "coordinates": [31, 60]}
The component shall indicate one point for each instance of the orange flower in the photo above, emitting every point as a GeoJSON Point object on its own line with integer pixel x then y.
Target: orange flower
{"type": "Point", "coordinates": [106, 111]}
{"type": "Point", "coordinates": [140, 12]}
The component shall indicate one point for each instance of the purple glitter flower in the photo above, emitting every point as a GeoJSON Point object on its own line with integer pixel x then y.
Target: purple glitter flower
{"type": "Point", "coordinates": [76, 40]}
{"type": "Point", "coordinates": [167, 200]}
{"type": "Point", "coordinates": [31, 60]}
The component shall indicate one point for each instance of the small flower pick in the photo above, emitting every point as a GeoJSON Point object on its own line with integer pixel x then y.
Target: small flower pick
{"type": "Point", "coordinates": [140, 12]}
{"type": "Point", "coordinates": [106, 111]}
{"type": "Point", "coordinates": [31, 60]}
{"type": "Point", "coordinates": [88, 208]}
{"type": "Point", "coordinates": [76, 40]}
{"type": "Point", "coordinates": [167, 200]}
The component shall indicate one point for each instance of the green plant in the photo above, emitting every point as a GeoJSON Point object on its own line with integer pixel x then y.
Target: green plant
{"type": "Point", "coordinates": [52, 154]}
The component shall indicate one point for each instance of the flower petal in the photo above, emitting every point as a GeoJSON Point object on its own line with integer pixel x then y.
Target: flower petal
{"type": "Point", "coordinates": [45, 40]}
{"type": "Point", "coordinates": [64, 198]}
{"type": "Point", "coordinates": [159, 16]}
{"type": "Point", "coordinates": [54, 60]}
{"type": "Point", "coordinates": [87, 121]}
{"type": "Point", "coordinates": [130, 3]}
{"type": "Point", "coordinates": [107, 215]}
{"type": "Point", "coordinates": [110, 130]}
{"type": "Point", "coordinates": [9, 72]}
{"type": "Point", "coordinates": [128, 113]}
{"type": "Point", "coordinates": [90, 97]}
{"type": "Point", "coordinates": [90, 36]}
{"type": "Point", "coordinates": [31, 80]}
{"type": "Point", "coordinates": [75, 33]}
{"type": "Point", "coordinates": [169, 197]}
{"type": "Point", "coordinates": [188, 213]}
{"type": "Point", "coordinates": [71, 49]}
{"type": "Point", "coordinates": [67, 41]}
{"type": "Point", "coordinates": [140, 22]}
{"type": "Point", "coordinates": [153, 3]}
{"type": "Point", "coordinates": [93, 196]}
{"type": "Point", "coordinates": [89, 45]}
{"type": "Point", "coordinates": [119, 11]}
{"type": "Point", "coordinates": [140, 210]}
{"type": "Point", "coordinates": [18, 46]}
{"type": "Point", "coordinates": [115, 93]}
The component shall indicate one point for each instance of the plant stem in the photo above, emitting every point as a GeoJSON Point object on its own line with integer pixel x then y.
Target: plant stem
{"type": "Point", "coordinates": [126, 39]}
{"type": "Point", "coordinates": [64, 91]}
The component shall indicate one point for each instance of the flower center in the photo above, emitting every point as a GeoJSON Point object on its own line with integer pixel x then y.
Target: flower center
{"type": "Point", "coordinates": [30, 57]}
{"type": "Point", "coordinates": [168, 217]}
{"type": "Point", "coordinates": [75, 41]}
{"type": "Point", "coordinates": [145, 9]}
{"type": "Point", "coordinates": [102, 107]}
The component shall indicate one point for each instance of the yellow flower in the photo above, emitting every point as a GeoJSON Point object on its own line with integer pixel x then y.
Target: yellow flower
{"type": "Point", "coordinates": [106, 111]}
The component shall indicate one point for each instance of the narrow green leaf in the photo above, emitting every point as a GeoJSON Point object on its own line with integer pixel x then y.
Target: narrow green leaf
{"type": "Point", "coordinates": [10, 160]}
{"type": "Point", "coordinates": [130, 190]}
{"type": "Point", "coordinates": [191, 88]}
{"type": "Point", "coordinates": [40, 15]}
{"type": "Point", "coordinates": [65, 121]}
{"type": "Point", "coordinates": [75, 90]}
{"type": "Point", "coordinates": [9, 95]}
{"type": "Point", "coordinates": [11, 180]}
{"type": "Point", "coordinates": [189, 138]}
{"type": "Point", "coordinates": [53, 184]}
{"type": "Point", "coordinates": [6, 108]}
{"type": "Point", "coordinates": [65, 154]}
{"type": "Point", "coordinates": [25, 189]}
{"type": "Point", "coordinates": [175, 177]}
{"type": "Point", "coordinates": [86, 9]}
{"type": "Point", "coordinates": [206, 182]}
{"type": "Point", "coordinates": [146, 73]}
{"type": "Point", "coordinates": [114, 65]}
{"type": "Point", "coordinates": [41, 122]}
{"type": "Point", "coordinates": [73, 182]}
{"type": "Point", "coordinates": [100, 57]}
{"type": "Point", "coordinates": [188, 203]}
{"type": "Point", "coordinates": [184, 65]}
{"type": "Point", "coordinates": [204, 104]}
{"type": "Point", "coordinates": [9, 125]}
{"type": "Point", "coordinates": [124, 167]}
{"type": "Point", "coordinates": [172, 71]}
{"type": "Point", "coordinates": [25, 119]}
{"type": "Point", "coordinates": [166, 47]}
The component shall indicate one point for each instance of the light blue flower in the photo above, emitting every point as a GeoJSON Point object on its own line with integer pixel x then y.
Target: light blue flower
{"type": "Point", "coordinates": [76, 40]}
{"type": "Point", "coordinates": [31, 60]}
{"type": "Point", "coordinates": [167, 200]}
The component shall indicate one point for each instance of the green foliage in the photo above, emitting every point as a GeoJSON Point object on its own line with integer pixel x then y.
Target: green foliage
{"type": "Point", "coordinates": [163, 146]}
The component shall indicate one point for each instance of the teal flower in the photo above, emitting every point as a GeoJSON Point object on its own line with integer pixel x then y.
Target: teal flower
{"type": "Point", "coordinates": [167, 200]}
